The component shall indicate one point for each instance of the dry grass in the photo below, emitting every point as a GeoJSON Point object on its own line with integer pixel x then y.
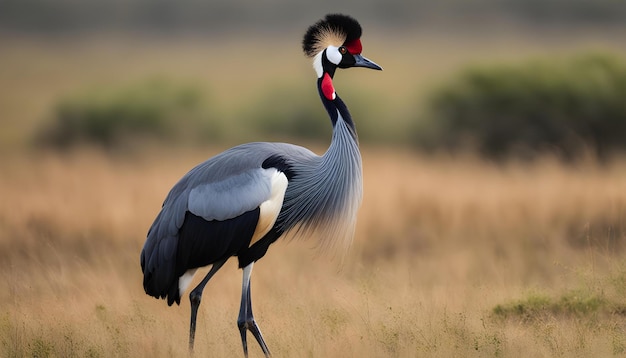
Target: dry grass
{"type": "Point", "coordinates": [440, 244]}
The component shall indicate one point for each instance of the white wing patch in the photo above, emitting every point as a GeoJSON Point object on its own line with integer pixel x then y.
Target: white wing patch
{"type": "Point", "coordinates": [271, 207]}
{"type": "Point", "coordinates": [185, 280]}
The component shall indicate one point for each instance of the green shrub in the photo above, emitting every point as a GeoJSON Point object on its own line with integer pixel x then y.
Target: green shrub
{"type": "Point", "coordinates": [289, 112]}
{"type": "Point", "coordinates": [575, 303]}
{"type": "Point", "coordinates": [286, 112]}
{"type": "Point", "coordinates": [108, 117]}
{"type": "Point", "coordinates": [566, 107]}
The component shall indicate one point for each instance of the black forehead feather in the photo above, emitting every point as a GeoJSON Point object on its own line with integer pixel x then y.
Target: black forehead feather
{"type": "Point", "coordinates": [337, 23]}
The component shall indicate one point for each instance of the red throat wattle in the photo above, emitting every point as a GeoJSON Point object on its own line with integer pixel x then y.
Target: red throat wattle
{"type": "Point", "coordinates": [327, 87]}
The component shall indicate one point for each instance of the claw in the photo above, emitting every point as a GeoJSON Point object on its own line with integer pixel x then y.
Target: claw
{"type": "Point", "coordinates": [244, 341]}
{"type": "Point", "coordinates": [256, 332]}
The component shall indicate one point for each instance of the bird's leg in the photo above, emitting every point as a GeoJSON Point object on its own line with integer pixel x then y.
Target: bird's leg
{"type": "Point", "coordinates": [246, 319]}
{"type": "Point", "coordinates": [195, 296]}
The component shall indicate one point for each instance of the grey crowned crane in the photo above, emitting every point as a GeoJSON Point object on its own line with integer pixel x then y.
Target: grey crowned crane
{"type": "Point", "coordinates": [239, 202]}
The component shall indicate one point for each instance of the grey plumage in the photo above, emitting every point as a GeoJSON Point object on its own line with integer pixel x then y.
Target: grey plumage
{"type": "Point", "coordinates": [323, 198]}
{"type": "Point", "coordinates": [242, 200]}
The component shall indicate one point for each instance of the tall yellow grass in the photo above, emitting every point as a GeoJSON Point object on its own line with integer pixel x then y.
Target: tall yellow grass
{"type": "Point", "coordinates": [440, 243]}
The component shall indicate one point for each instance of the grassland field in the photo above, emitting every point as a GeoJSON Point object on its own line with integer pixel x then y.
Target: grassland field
{"type": "Point", "coordinates": [453, 257]}
{"type": "Point", "coordinates": [439, 246]}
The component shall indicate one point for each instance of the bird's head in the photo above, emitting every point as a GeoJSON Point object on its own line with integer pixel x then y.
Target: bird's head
{"type": "Point", "coordinates": [335, 42]}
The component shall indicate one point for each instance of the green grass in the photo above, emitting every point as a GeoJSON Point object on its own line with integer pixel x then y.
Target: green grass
{"type": "Point", "coordinates": [596, 300]}
{"type": "Point", "coordinates": [569, 304]}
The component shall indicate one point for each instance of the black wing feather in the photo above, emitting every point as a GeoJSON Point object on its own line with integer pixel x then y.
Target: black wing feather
{"type": "Point", "coordinates": [202, 242]}
{"type": "Point", "coordinates": [198, 243]}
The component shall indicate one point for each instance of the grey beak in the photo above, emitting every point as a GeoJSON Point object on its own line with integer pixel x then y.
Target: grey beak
{"type": "Point", "coordinates": [361, 61]}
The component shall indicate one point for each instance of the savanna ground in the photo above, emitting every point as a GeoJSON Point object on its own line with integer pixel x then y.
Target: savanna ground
{"type": "Point", "coordinates": [452, 256]}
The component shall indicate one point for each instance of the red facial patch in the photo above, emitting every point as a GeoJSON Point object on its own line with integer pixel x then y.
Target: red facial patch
{"type": "Point", "coordinates": [327, 87]}
{"type": "Point", "coordinates": [354, 46]}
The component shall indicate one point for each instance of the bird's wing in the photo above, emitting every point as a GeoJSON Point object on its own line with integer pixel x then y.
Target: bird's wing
{"type": "Point", "coordinates": [221, 188]}
{"type": "Point", "coordinates": [237, 180]}
{"type": "Point", "coordinates": [238, 194]}
{"type": "Point", "coordinates": [224, 187]}
{"type": "Point", "coordinates": [233, 195]}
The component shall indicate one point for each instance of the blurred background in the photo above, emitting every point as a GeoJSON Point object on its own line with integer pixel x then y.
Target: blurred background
{"type": "Point", "coordinates": [494, 212]}
{"type": "Point", "coordinates": [501, 77]}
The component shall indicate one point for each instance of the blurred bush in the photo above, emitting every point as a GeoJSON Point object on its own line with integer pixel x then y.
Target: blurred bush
{"type": "Point", "coordinates": [163, 112]}
{"type": "Point", "coordinates": [565, 107]}
{"type": "Point", "coordinates": [153, 110]}
{"type": "Point", "coordinates": [294, 112]}
{"type": "Point", "coordinates": [287, 112]}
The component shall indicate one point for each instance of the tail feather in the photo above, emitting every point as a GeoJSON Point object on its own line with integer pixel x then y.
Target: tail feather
{"type": "Point", "coordinates": [158, 264]}
{"type": "Point", "coordinates": [159, 254]}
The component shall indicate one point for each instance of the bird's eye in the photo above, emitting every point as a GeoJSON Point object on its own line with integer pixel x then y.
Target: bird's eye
{"type": "Point", "coordinates": [343, 50]}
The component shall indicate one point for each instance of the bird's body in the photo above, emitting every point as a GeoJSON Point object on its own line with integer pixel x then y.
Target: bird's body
{"type": "Point", "coordinates": [192, 232]}
{"type": "Point", "coordinates": [240, 201]}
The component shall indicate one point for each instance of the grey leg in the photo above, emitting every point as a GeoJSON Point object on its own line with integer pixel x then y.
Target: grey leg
{"type": "Point", "coordinates": [246, 319]}
{"type": "Point", "coordinates": [195, 296]}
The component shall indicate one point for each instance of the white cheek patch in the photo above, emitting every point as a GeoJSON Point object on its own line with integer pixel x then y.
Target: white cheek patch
{"type": "Point", "coordinates": [333, 55]}
{"type": "Point", "coordinates": [317, 64]}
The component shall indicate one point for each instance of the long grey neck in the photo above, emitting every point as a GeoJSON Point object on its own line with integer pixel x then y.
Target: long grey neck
{"type": "Point", "coordinates": [343, 153]}
{"type": "Point", "coordinates": [324, 196]}
{"type": "Point", "coordinates": [343, 156]}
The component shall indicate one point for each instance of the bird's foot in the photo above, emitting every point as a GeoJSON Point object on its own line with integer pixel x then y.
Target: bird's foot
{"type": "Point", "coordinates": [250, 325]}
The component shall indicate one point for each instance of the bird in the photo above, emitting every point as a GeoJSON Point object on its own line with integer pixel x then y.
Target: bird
{"type": "Point", "coordinates": [242, 200]}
